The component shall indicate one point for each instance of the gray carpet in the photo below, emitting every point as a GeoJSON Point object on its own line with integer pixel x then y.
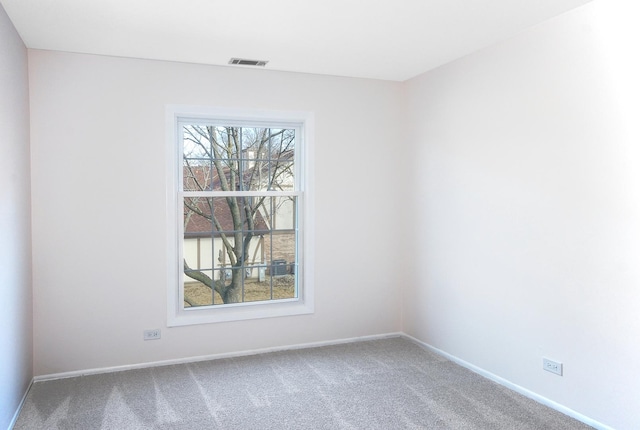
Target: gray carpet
{"type": "Point", "coordinates": [382, 384]}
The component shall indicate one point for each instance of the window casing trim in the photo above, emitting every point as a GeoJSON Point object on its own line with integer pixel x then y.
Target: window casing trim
{"type": "Point", "coordinates": [177, 315]}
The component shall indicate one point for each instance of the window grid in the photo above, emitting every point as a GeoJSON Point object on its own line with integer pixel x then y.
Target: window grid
{"type": "Point", "coordinates": [240, 195]}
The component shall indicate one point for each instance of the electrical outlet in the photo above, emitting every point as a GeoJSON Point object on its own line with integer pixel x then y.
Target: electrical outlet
{"type": "Point", "coordinates": [552, 366]}
{"type": "Point", "coordinates": [151, 334]}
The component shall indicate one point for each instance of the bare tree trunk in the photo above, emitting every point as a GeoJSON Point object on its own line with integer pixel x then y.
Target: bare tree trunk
{"type": "Point", "coordinates": [233, 291]}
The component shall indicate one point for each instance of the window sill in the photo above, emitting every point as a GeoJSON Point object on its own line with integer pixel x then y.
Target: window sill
{"type": "Point", "coordinates": [239, 312]}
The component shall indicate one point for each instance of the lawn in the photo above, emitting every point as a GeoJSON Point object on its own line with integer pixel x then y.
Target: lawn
{"type": "Point", "coordinates": [199, 294]}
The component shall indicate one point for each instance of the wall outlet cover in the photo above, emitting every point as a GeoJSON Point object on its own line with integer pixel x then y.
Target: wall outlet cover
{"type": "Point", "coordinates": [151, 334]}
{"type": "Point", "coordinates": [552, 366]}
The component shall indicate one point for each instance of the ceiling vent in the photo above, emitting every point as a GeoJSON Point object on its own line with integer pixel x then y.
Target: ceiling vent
{"type": "Point", "coordinates": [245, 62]}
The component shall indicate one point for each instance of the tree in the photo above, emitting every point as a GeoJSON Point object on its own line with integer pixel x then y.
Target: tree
{"type": "Point", "coordinates": [229, 159]}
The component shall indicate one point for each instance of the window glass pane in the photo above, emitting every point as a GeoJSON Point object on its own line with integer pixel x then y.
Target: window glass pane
{"type": "Point", "coordinates": [283, 176]}
{"type": "Point", "coordinates": [197, 176]}
{"type": "Point", "coordinates": [257, 287]}
{"type": "Point", "coordinates": [197, 252]}
{"type": "Point", "coordinates": [237, 158]}
{"type": "Point", "coordinates": [211, 157]}
{"type": "Point", "coordinates": [197, 293]}
{"type": "Point", "coordinates": [197, 142]}
{"type": "Point", "coordinates": [283, 252]}
{"type": "Point", "coordinates": [281, 213]}
{"type": "Point", "coordinates": [284, 287]}
{"type": "Point", "coordinates": [197, 160]}
{"type": "Point", "coordinates": [197, 217]}
{"type": "Point", "coordinates": [275, 213]}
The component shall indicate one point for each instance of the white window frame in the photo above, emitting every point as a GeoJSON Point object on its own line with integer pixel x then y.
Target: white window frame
{"type": "Point", "coordinates": [177, 315]}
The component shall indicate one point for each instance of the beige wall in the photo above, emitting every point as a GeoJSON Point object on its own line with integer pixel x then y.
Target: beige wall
{"type": "Point", "coordinates": [527, 244]}
{"type": "Point", "coordinates": [16, 349]}
{"type": "Point", "coordinates": [98, 139]}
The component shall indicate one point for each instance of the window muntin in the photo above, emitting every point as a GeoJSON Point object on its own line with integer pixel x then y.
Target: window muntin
{"type": "Point", "coordinates": [240, 180]}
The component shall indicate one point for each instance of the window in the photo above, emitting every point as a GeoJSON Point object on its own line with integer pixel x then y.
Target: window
{"type": "Point", "coordinates": [239, 213]}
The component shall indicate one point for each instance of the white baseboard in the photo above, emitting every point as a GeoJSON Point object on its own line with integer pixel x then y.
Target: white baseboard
{"type": "Point", "coordinates": [518, 389]}
{"type": "Point", "coordinates": [97, 371]}
{"type": "Point", "coordinates": [17, 413]}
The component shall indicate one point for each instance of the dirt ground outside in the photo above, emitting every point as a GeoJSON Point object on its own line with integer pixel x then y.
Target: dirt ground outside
{"type": "Point", "coordinates": [199, 294]}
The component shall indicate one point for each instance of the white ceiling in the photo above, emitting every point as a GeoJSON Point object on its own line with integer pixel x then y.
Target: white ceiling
{"type": "Point", "coordinates": [382, 39]}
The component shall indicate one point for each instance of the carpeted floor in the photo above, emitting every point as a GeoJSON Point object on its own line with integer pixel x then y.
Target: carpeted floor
{"type": "Point", "coordinates": [382, 384]}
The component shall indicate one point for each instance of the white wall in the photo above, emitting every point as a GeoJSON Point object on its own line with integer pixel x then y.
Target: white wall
{"type": "Point", "coordinates": [527, 185]}
{"type": "Point", "coordinates": [16, 348]}
{"type": "Point", "coordinates": [98, 137]}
